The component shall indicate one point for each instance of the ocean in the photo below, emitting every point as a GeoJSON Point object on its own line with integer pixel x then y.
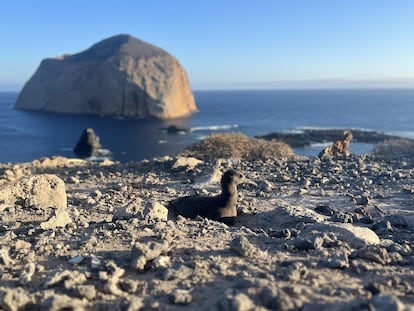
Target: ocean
{"type": "Point", "coordinates": [26, 136]}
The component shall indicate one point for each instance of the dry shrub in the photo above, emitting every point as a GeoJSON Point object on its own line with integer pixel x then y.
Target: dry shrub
{"type": "Point", "coordinates": [239, 146]}
{"type": "Point", "coordinates": [395, 148]}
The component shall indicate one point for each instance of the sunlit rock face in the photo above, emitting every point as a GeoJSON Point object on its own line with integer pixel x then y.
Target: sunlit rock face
{"type": "Point", "coordinates": [119, 76]}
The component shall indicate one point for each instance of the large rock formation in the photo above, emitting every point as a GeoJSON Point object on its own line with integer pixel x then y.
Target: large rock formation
{"type": "Point", "coordinates": [119, 76]}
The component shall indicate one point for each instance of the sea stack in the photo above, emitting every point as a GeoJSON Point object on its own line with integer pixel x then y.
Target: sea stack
{"type": "Point", "coordinates": [120, 76]}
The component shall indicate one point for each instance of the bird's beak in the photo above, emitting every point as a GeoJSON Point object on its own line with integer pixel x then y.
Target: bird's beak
{"type": "Point", "coordinates": [247, 181]}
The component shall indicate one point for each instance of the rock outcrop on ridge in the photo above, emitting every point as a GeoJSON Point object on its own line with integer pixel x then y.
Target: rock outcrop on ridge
{"type": "Point", "coordinates": [119, 76]}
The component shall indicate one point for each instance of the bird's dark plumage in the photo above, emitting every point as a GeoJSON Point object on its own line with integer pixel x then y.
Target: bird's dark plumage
{"type": "Point", "coordinates": [221, 207]}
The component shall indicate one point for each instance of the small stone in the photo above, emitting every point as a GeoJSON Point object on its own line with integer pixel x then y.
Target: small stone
{"type": "Point", "coordinates": [59, 302]}
{"type": "Point", "coordinates": [162, 262]}
{"type": "Point", "coordinates": [128, 285]}
{"type": "Point", "coordinates": [95, 262]}
{"type": "Point", "coordinates": [14, 299]}
{"type": "Point", "coordinates": [338, 261]}
{"type": "Point", "coordinates": [27, 273]}
{"type": "Point", "coordinates": [60, 219]}
{"type": "Point", "coordinates": [20, 245]}
{"type": "Point", "coordinates": [373, 253]}
{"type": "Point", "coordinates": [362, 200]}
{"type": "Point", "coordinates": [283, 234]}
{"type": "Point", "coordinates": [307, 243]}
{"type": "Point", "coordinates": [275, 298]}
{"type": "Point", "coordinates": [132, 209]}
{"type": "Point", "coordinates": [182, 273]}
{"type": "Point", "coordinates": [4, 256]}
{"type": "Point", "coordinates": [264, 185]}
{"type": "Point", "coordinates": [242, 302]}
{"type": "Point", "coordinates": [181, 296]}
{"type": "Point", "coordinates": [86, 291]}
{"type": "Point", "coordinates": [74, 180]}
{"type": "Point", "coordinates": [76, 260]}
{"type": "Point", "coordinates": [387, 302]}
{"type": "Point", "coordinates": [155, 211]}
{"type": "Point", "coordinates": [111, 287]}
{"type": "Point", "coordinates": [135, 303]}
{"type": "Point", "coordinates": [187, 163]}
{"type": "Point", "coordinates": [114, 270]}
{"type": "Point", "coordinates": [324, 210]}
{"type": "Point", "coordinates": [243, 247]}
{"type": "Point", "coordinates": [141, 253]}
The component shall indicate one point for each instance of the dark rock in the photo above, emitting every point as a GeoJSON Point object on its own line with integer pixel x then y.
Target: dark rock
{"type": "Point", "coordinates": [342, 217]}
{"type": "Point", "coordinates": [174, 129]}
{"type": "Point", "coordinates": [285, 234]}
{"type": "Point", "coordinates": [88, 144]}
{"type": "Point", "coordinates": [382, 226]}
{"type": "Point", "coordinates": [362, 200]}
{"type": "Point", "coordinates": [325, 210]}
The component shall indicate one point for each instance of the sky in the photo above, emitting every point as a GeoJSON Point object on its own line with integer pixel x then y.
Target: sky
{"type": "Point", "coordinates": [225, 44]}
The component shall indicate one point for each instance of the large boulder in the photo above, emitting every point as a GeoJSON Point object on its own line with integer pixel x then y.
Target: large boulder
{"type": "Point", "coordinates": [40, 191]}
{"type": "Point", "coordinates": [119, 76]}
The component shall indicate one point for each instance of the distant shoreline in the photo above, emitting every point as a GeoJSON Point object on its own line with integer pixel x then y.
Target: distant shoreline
{"type": "Point", "coordinates": [307, 137]}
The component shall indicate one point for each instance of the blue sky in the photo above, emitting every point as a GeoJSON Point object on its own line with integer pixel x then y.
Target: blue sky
{"type": "Point", "coordinates": [225, 43]}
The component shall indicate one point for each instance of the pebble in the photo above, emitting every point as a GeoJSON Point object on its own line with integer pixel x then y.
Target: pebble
{"type": "Point", "coordinates": [135, 303]}
{"type": "Point", "coordinates": [27, 273]}
{"type": "Point", "coordinates": [241, 302]}
{"type": "Point", "coordinates": [338, 261]}
{"type": "Point", "coordinates": [141, 253]}
{"type": "Point", "coordinates": [86, 291]}
{"type": "Point", "coordinates": [243, 247]}
{"type": "Point", "coordinates": [14, 299]}
{"type": "Point", "coordinates": [76, 260]}
{"type": "Point", "coordinates": [387, 302]}
{"type": "Point", "coordinates": [181, 296]}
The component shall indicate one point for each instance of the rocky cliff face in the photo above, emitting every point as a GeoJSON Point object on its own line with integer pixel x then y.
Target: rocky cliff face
{"type": "Point", "coordinates": [119, 76]}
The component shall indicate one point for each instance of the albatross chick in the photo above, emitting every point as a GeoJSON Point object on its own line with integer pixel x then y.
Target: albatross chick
{"type": "Point", "coordinates": [221, 207]}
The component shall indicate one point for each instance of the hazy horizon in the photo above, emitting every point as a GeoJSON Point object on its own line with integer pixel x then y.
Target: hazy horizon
{"type": "Point", "coordinates": [226, 44]}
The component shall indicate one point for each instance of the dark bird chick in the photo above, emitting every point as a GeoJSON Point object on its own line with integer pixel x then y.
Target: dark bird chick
{"type": "Point", "coordinates": [221, 207]}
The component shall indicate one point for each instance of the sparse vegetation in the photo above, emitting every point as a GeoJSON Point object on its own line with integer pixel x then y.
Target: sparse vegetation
{"type": "Point", "coordinates": [394, 148]}
{"type": "Point", "coordinates": [238, 145]}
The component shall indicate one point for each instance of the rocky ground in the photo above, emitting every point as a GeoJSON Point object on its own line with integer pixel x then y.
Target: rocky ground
{"type": "Point", "coordinates": [330, 234]}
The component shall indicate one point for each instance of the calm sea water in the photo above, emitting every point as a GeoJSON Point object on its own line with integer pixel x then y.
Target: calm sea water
{"type": "Point", "coordinates": [25, 136]}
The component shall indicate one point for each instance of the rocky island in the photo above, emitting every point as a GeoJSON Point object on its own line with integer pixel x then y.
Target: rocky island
{"type": "Point", "coordinates": [330, 233]}
{"type": "Point", "coordinates": [120, 76]}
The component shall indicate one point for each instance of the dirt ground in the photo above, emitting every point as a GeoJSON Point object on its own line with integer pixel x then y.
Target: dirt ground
{"type": "Point", "coordinates": [332, 234]}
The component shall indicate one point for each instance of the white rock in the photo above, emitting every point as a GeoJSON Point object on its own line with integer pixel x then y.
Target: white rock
{"type": "Point", "coordinates": [188, 163]}
{"type": "Point", "coordinates": [60, 219]}
{"type": "Point", "coordinates": [355, 236]}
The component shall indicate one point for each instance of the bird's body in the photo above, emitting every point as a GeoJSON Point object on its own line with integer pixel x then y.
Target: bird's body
{"type": "Point", "coordinates": [222, 207]}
